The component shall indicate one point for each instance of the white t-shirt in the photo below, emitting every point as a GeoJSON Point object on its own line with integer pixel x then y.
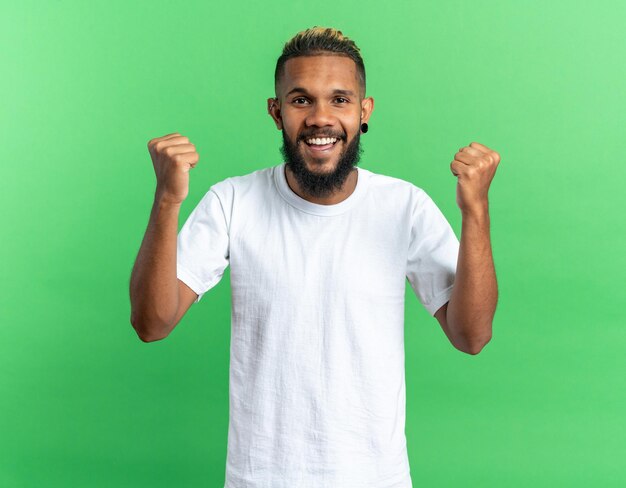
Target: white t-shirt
{"type": "Point", "coordinates": [317, 385]}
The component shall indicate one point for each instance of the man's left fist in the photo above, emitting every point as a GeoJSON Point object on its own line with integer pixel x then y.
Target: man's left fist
{"type": "Point", "coordinates": [474, 165]}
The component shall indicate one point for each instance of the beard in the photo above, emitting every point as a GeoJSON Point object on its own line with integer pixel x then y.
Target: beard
{"type": "Point", "coordinates": [321, 185]}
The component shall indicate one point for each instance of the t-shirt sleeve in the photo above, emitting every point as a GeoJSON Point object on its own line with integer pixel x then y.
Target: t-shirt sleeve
{"type": "Point", "coordinates": [202, 252]}
{"type": "Point", "coordinates": [432, 256]}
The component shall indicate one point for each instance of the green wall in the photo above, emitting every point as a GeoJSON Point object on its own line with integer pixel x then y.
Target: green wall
{"type": "Point", "coordinates": [85, 85]}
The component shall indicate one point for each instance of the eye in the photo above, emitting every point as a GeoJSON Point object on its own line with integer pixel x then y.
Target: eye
{"type": "Point", "coordinates": [341, 98]}
{"type": "Point", "coordinates": [295, 100]}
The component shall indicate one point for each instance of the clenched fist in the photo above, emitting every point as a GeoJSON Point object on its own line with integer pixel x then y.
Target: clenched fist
{"type": "Point", "coordinates": [172, 157]}
{"type": "Point", "coordinates": [474, 166]}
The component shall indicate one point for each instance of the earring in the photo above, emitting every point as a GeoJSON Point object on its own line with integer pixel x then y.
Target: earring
{"type": "Point", "coordinates": [364, 127]}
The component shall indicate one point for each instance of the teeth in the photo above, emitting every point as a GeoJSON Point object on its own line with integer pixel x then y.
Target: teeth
{"type": "Point", "coordinates": [322, 141]}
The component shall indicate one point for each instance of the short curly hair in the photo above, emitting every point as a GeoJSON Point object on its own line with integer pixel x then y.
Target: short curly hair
{"type": "Point", "coordinates": [318, 41]}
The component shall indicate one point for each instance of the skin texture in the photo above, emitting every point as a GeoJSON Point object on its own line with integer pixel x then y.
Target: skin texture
{"type": "Point", "coordinates": [325, 179]}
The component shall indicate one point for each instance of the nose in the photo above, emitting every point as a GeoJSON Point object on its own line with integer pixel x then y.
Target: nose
{"type": "Point", "coordinates": [320, 115]}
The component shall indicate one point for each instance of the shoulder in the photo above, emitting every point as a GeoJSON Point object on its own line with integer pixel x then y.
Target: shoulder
{"type": "Point", "coordinates": [238, 194]}
{"type": "Point", "coordinates": [395, 188]}
{"type": "Point", "coordinates": [235, 186]}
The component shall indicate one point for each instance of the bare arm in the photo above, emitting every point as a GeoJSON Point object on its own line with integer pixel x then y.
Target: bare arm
{"type": "Point", "coordinates": [153, 282]}
{"type": "Point", "coordinates": [467, 317]}
{"type": "Point", "coordinates": [158, 298]}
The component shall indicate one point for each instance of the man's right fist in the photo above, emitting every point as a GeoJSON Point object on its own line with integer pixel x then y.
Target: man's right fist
{"type": "Point", "coordinates": [172, 157]}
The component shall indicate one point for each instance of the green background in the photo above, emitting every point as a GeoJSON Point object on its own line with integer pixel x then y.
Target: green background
{"type": "Point", "coordinates": [85, 86]}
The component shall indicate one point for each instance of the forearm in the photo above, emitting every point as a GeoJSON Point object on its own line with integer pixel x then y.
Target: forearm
{"type": "Point", "coordinates": [153, 283]}
{"type": "Point", "coordinates": [475, 293]}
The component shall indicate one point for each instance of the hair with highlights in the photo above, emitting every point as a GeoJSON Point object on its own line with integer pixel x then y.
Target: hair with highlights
{"type": "Point", "coordinates": [318, 41]}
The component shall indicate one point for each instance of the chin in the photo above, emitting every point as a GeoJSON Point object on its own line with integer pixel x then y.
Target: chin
{"type": "Point", "coordinates": [321, 166]}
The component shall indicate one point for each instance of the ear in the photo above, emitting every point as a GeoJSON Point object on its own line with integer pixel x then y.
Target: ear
{"type": "Point", "coordinates": [273, 109]}
{"type": "Point", "coordinates": [367, 107]}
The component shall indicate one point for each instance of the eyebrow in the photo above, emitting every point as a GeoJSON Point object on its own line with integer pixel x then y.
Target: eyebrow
{"type": "Point", "coordinates": [336, 91]}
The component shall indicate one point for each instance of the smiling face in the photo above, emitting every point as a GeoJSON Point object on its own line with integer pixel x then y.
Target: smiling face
{"type": "Point", "coordinates": [319, 98]}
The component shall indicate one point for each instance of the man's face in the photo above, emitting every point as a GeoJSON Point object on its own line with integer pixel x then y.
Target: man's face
{"type": "Point", "coordinates": [319, 98]}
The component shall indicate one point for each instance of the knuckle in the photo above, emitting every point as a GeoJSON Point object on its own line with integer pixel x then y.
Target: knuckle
{"type": "Point", "coordinates": [181, 159]}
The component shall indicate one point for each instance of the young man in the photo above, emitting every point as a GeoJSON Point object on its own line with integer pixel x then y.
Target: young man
{"type": "Point", "coordinates": [319, 253]}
